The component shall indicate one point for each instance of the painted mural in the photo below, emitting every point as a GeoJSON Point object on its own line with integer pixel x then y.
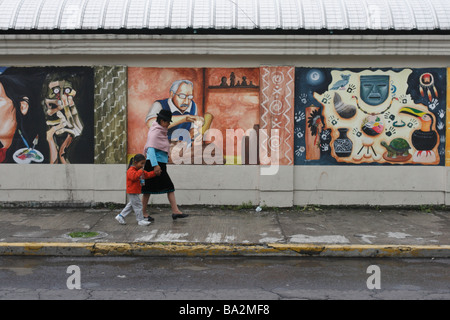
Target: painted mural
{"type": "Point", "coordinates": [370, 116]}
{"type": "Point", "coordinates": [46, 115]}
{"type": "Point", "coordinates": [277, 110]}
{"type": "Point", "coordinates": [110, 114]}
{"type": "Point", "coordinates": [149, 90]}
{"type": "Point", "coordinates": [447, 142]}
{"type": "Point", "coordinates": [323, 116]}
{"type": "Point", "coordinates": [205, 103]}
{"type": "Point", "coordinates": [218, 113]}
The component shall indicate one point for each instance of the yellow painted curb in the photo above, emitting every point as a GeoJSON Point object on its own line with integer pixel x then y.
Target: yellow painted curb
{"type": "Point", "coordinates": [45, 248]}
{"type": "Point", "coordinates": [366, 250]}
{"type": "Point", "coordinates": [209, 249]}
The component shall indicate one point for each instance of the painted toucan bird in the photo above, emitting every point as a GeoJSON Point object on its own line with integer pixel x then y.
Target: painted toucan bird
{"type": "Point", "coordinates": [426, 137]}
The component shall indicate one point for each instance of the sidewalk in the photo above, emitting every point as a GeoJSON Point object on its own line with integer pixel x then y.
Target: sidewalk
{"type": "Point", "coordinates": [216, 231]}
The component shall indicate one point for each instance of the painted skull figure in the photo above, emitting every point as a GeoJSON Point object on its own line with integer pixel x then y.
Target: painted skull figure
{"type": "Point", "coordinates": [63, 121]}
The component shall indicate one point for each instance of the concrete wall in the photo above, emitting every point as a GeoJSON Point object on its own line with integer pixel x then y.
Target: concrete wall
{"type": "Point", "coordinates": [204, 184]}
{"type": "Point", "coordinates": [233, 185]}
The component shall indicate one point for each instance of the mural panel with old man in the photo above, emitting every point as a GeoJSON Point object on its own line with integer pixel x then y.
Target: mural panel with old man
{"type": "Point", "coordinates": [205, 104]}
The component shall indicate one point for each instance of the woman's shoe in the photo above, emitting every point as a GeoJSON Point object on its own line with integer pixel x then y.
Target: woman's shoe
{"type": "Point", "coordinates": [179, 215]}
{"type": "Point", "coordinates": [143, 222]}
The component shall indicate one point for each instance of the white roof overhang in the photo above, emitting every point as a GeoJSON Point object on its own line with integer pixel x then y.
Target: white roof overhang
{"type": "Point", "coordinates": [225, 27]}
{"type": "Point", "coordinates": [66, 15]}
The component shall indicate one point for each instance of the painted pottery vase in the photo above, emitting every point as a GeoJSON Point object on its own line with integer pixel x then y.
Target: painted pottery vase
{"type": "Point", "coordinates": [343, 145]}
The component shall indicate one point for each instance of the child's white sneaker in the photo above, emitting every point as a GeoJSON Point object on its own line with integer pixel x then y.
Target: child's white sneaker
{"type": "Point", "coordinates": [143, 222]}
{"type": "Point", "coordinates": [120, 219]}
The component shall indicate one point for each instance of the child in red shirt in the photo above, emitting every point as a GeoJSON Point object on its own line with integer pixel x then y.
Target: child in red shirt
{"type": "Point", "coordinates": [135, 176]}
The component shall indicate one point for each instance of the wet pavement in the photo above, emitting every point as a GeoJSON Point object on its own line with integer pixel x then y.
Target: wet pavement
{"type": "Point", "coordinates": [210, 230]}
{"type": "Point", "coordinates": [228, 279]}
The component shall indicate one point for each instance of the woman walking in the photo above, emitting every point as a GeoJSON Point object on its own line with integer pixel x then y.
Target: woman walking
{"type": "Point", "coordinates": [157, 150]}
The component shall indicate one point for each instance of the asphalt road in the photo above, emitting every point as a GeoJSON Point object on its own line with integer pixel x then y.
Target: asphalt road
{"type": "Point", "coordinates": [243, 279]}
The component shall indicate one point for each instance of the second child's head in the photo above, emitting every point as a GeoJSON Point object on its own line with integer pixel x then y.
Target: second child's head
{"type": "Point", "coordinates": [138, 161]}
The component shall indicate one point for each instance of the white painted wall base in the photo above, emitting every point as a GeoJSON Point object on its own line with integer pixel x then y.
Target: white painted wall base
{"type": "Point", "coordinates": [73, 183]}
{"type": "Point", "coordinates": [232, 185]}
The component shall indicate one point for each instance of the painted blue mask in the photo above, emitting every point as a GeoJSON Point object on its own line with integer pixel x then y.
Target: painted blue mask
{"type": "Point", "coordinates": [374, 89]}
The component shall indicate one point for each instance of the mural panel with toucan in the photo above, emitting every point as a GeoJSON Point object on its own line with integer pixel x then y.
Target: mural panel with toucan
{"type": "Point", "coordinates": [370, 116]}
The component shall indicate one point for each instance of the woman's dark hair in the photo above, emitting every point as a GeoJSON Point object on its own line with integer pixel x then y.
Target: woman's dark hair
{"type": "Point", "coordinates": [165, 115]}
{"type": "Point", "coordinates": [137, 158]}
{"type": "Point", "coordinates": [158, 119]}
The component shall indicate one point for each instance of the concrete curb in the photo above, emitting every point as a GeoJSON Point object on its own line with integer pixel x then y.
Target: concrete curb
{"type": "Point", "coordinates": [184, 249]}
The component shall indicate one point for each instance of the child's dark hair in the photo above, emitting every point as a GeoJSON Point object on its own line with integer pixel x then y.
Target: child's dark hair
{"type": "Point", "coordinates": [137, 158]}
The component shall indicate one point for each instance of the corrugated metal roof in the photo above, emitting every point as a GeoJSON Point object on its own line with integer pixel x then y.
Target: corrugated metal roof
{"type": "Point", "coordinates": [225, 14]}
